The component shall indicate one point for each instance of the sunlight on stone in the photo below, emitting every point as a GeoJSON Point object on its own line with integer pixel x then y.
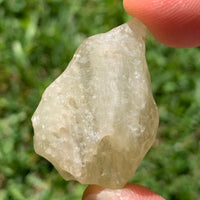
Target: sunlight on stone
{"type": "Point", "coordinates": [98, 119]}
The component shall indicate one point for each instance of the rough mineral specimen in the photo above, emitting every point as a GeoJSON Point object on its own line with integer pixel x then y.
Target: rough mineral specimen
{"type": "Point", "coordinates": [96, 122]}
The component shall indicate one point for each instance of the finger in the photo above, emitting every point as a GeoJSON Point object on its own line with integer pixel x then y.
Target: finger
{"type": "Point", "coordinates": [175, 23]}
{"type": "Point", "coordinates": [129, 192]}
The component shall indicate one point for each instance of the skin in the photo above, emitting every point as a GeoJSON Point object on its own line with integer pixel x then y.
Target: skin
{"type": "Point", "coordinates": [130, 192]}
{"type": "Point", "coordinates": [175, 23]}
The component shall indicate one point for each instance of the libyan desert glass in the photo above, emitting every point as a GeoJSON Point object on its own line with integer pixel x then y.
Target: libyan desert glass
{"type": "Point", "coordinates": [98, 119]}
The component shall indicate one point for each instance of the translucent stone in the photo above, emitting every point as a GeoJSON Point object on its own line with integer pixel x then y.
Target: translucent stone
{"type": "Point", "coordinates": [98, 119]}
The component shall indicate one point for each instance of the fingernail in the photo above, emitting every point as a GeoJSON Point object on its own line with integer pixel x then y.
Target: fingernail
{"type": "Point", "coordinates": [105, 195]}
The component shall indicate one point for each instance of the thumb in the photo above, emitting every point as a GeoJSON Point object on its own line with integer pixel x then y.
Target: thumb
{"type": "Point", "coordinates": [129, 192]}
{"type": "Point", "coordinates": [175, 23]}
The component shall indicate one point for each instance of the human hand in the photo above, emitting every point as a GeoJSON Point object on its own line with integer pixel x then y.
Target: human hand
{"type": "Point", "coordinates": [175, 23]}
{"type": "Point", "coordinates": [129, 192]}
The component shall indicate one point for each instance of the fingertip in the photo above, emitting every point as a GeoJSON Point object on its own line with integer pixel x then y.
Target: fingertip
{"type": "Point", "coordinates": [129, 192]}
{"type": "Point", "coordinates": [91, 190]}
{"type": "Point", "coordinates": [175, 23]}
{"type": "Point", "coordinates": [142, 193]}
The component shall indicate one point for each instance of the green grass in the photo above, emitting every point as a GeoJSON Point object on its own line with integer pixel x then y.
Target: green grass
{"type": "Point", "coordinates": [37, 40]}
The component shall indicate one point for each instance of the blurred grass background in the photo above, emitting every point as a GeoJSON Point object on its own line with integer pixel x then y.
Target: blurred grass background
{"type": "Point", "coordinates": [37, 40]}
